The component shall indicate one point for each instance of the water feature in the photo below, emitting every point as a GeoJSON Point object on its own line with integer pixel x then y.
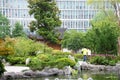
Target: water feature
{"type": "Point", "coordinates": [86, 75]}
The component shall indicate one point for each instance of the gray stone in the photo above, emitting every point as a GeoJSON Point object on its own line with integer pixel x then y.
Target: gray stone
{"type": "Point", "coordinates": [29, 73]}
{"type": "Point", "coordinates": [67, 70]}
{"type": "Point", "coordinates": [61, 72]}
{"type": "Point", "coordinates": [12, 75]}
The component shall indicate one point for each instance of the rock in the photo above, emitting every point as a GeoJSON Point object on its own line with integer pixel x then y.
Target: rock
{"type": "Point", "coordinates": [48, 72]}
{"type": "Point", "coordinates": [78, 66]}
{"type": "Point", "coordinates": [61, 72]}
{"type": "Point", "coordinates": [84, 66]}
{"type": "Point", "coordinates": [29, 73]}
{"type": "Point", "coordinates": [108, 68]}
{"type": "Point", "coordinates": [7, 64]}
{"type": "Point", "coordinates": [53, 70]}
{"type": "Point", "coordinates": [67, 70]}
{"type": "Point", "coordinates": [89, 78]}
{"type": "Point", "coordinates": [43, 74]}
{"type": "Point", "coordinates": [80, 79]}
{"type": "Point", "coordinates": [12, 75]}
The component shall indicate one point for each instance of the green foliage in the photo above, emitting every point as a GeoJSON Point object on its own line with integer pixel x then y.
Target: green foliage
{"type": "Point", "coordinates": [43, 57]}
{"type": "Point", "coordinates": [2, 70]}
{"type": "Point", "coordinates": [36, 64]}
{"type": "Point", "coordinates": [28, 47]}
{"type": "Point", "coordinates": [62, 62]}
{"type": "Point", "coordinates": [102, 38]}
{"type": "Point", "coordinates": [46, 14]}
{"type": "Point", "coordinates": [73, 40]}
{"type": "Point", "coordinates": [117, 58]}
{"type": "Point", "coordinates": [103, 60]}
{"type": "Point", "coordinates": [58, 52]}
{"type": "Point", "coordinates": [18, 30]}
{"type": "Point", "coordinates": [7, 46]}
{"type": "Point", "coordinates": [51, 60]}
{"type": "Point", "coordinates": [16, 60]}
{"type": "Point", "coordinates": [4, 27]}
{"type": "Point", "coordinates": [78, 56]}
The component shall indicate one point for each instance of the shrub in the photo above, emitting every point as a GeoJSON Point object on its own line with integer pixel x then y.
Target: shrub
{"type": "Point", "coordinates": [43, 57]}
{"type": "Point", "coordinates": [35, 64]}
{"type": "Point", "coordinates": [112, 63]}
{"type": "Point", "coordinates": [1, 68]}
{"type": "Point", "coordinates": [28, 47]}
{"type": "Point", "coordinates": [47, 60]}
{"type": "Point", "coordinates": [78, 56]}
{"type": "Point", "coordinates": [62, 62]}
{"type": "Point", "coordinates": [103, 60]}
{"type": "Point", "coordinates": [97, 60]}
{"type": "Point", "coordinates": [58, 52]}
{"type": "Point", "coordinates": [16, 60]}
{"type": "Point", "coordinates": [117, 59]}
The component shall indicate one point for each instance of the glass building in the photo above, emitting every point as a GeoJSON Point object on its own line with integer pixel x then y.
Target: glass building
{"type": "Point", "coordinates": [75, 14]}
{"type": "Point", "coordinates": [16, 11]}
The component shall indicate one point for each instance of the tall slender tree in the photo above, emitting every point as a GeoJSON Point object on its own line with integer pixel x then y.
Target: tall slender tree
{"type": "Point", "coordinates": [4, 26]}
{"type": "Point", "coordinates": [18, 30]}
{"type": "Point", "coordinates": [46, 16]}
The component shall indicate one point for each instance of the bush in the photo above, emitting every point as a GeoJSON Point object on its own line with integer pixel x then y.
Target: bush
{"type": "Point", "coordinates": [96, 60]}
{"type": "Point", "coordinates": [35, 64]}
{"type": "Point", "coordinates": [58, 52]}
{"type": "Point", "coordinates": [103, 60]}
{"type": "Point", "coordinates": [1, 68]}
{"type": "Point", "coordinates": [16, 60]}
{"type": "Point", "coordinates": [112, 63]}
{"type": "Point", "coordinates": [117, 59]}
{"type": "Point", "coordinates": [28, 47]}
{"type": "Point", "coordinates": [78, 56]}
{"type": "Point", "coordinates": [43, 57]}
{"type": "Point", "coordinates": [49, 60]}
{"type": "Point", "coordinates": [62, 62]}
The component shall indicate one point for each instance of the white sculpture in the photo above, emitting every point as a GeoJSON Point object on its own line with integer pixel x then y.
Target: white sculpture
{"type": "Point", "coordinates": [27, 61]}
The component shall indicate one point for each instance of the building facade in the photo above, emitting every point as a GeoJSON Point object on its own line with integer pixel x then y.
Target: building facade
{"type": "Point", "coordinates": [16, 11]}
{"type": "Point", "coordinates": [74, 14]}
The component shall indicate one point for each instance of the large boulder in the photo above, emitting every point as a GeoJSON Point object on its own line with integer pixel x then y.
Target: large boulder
{"type": "Point", "coordinates": [67, 70]}
{"type": "Point", "coordinates": [12, 75]}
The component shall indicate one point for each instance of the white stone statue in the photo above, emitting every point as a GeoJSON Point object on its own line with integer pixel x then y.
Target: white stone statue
{"type": "Point", "coordinates": [27, 61]}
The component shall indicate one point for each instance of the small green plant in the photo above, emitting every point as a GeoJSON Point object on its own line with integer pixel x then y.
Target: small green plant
{"type": "Point", "coordinates": [2, 70]}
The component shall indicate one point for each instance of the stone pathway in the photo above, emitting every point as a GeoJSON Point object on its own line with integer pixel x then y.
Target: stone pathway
{"type": "Point", "coordinates": [15, 68]}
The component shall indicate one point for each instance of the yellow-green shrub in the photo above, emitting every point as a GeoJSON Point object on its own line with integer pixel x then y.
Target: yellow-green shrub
{"type": "Point", "coordinates": [62, 62]}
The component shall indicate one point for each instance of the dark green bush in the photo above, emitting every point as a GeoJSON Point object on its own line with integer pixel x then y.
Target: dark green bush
{"type": "Point", "coordinates": [103, 60]}
{"type": "Point", "coordinates": [97, 60]}
{"type": "Point", "coordinates": [117, 59]}
{"type": "Point", "coordinates": [112, 63]}
{"type": "Point", "coordinates": [1, 68]}
{"type": "Point", "coordinates": [16, 60]}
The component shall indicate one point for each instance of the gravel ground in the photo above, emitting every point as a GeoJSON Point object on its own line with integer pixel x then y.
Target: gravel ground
{"type": "Point", "coordinates": [15, 68]}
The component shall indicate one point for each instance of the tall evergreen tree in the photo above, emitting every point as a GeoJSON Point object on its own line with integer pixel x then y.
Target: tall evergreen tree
{"type": "Point", "coordinates": [4, 26]}
{"type": "Point", "coordinates": [46, 14]}
{"type": "Point", "coordinates": [18, 30]}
